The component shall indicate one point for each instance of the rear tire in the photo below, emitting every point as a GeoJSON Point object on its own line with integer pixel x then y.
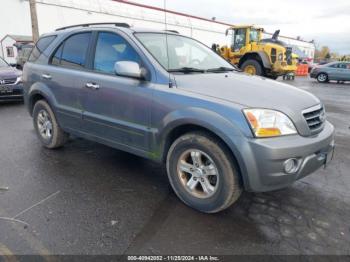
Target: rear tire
{"type": "Point", "coordinates": [203, 173]}
{"type": "Point", "coordinates": [47, 129]}
{"type": "Point", "coordinates": [252, 67]}
{"type": "Point", "coordinates": [322, 78]}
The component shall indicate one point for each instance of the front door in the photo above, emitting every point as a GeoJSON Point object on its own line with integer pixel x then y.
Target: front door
{"type": "Point", "coordinates": [116, 109]}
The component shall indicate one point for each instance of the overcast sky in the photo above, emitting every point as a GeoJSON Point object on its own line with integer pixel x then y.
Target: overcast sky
{"type": "Point", "coordinates": [325, 21]}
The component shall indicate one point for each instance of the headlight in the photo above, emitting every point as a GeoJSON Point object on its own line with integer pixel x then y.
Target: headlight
{"type": "Point", "coordinates": [280, 57]}
{"type": "Point", "coordinates": [19, 79]}
{"type": "Point", "coordinates": [269, 123]}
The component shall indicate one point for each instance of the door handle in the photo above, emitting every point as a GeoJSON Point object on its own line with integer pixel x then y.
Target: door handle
{"type": "Point", "coordinates": [46, 76]}
{"type": "Point", "coordinates": [92, 86]}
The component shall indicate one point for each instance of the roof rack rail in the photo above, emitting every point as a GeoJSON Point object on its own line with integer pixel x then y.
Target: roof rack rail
{"type": "Point", "coordinates": [90, 24]}
{"type": "Point", "coordinates": [172, 31]}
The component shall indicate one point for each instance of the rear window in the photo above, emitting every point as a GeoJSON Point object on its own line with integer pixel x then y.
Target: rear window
{"type": "Point", "coordinates": [40, 47]}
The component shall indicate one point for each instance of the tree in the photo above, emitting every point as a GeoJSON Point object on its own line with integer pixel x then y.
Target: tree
{"type": "Point", "coordinates": [323, 53]}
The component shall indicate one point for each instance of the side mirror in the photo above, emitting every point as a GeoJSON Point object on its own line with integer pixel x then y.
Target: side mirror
{"type": "Point", "coordinates": [129, 69]}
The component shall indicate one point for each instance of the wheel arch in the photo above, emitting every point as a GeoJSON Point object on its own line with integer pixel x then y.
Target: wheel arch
{"type": "Point", "coordinates": [37, 92]}
{"type": "Point", "coordinates": [261, 57]}
{"type": "Point", "coordinates": [182, 126]}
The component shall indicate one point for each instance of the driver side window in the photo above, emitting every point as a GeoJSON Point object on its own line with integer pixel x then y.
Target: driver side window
{"type": "Point", "coordinates": [112, 48]}
{"type": "Point", "coordinates": [239, 38]}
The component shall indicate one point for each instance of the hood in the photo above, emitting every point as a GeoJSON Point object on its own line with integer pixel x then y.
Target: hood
{"type": "Point", "coordinates": [248, 91]}
{"type": "Point", "coordinates": [274, 43]}
{"type": "Point", "coordinates": [9, 72]}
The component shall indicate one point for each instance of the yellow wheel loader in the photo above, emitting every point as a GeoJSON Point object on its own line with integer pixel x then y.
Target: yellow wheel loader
{"type": "Point", "coordinates": [256, 56]}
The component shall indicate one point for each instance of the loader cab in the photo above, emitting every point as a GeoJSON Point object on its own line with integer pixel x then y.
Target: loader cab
{"type": "Point", "coordinates": [239, 39]}
{"type": "Point", "coordinates": [243, 37]}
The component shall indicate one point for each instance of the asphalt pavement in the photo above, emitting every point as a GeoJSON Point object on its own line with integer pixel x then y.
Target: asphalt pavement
{"type": "Point", "coordinates": [87, 198]}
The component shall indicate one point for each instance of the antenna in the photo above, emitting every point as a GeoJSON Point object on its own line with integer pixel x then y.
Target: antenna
{"type": "Point", "coordinates": [165, 18]}
{"type": "Point", "coordinates": [166, 42]}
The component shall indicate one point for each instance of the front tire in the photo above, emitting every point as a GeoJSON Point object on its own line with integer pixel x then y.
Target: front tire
{"type": "Point", "coordinates": [252, 67]}
{"type": "Point", "coordinates": [202, 172]}
{"type": "Point", "coordinates": [47, 129]}
{"type": "Point", "coordinates": [322, 78]}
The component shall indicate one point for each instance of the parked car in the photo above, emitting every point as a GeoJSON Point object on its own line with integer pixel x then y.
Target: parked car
{"type": "Point", "coordinates": [23, 54]}
{"type": "Point", "coordinates": [169, 98]}
{"type": "Point", "coordinates": [11, 88]}
{"type": "Point", "coordinates": [339, 71]}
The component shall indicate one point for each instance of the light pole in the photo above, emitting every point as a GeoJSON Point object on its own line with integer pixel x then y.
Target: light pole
{"type": "Point", "coordinates": [34, 19]}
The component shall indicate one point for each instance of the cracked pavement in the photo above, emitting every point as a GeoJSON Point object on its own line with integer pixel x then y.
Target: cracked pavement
{"type": "Point", "coordinates": [109, 202]}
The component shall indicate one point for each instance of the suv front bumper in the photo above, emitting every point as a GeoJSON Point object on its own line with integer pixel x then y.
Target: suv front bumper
{"type": "Point", "coordinates": [11, 92]}
{"type": "Point", "coordinates": [265, 170]}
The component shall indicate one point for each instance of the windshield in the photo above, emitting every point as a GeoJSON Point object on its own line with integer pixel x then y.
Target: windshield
{"type": "Point", "coordinates": [182, 52]}
{"type": "Point", "coordinates": [3, 63]}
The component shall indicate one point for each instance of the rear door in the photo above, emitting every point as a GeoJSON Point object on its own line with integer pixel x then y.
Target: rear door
{"type": "Point", "coordinates": [332, 71]}
{"type": "Point", "coordinates": [347, 73]}
{"type": "Point", "coordinates": [343, 71]}
{"type": "Point", "coordinates": [117, 111]}
{"type": "Point", "coordinates": [65, 66]}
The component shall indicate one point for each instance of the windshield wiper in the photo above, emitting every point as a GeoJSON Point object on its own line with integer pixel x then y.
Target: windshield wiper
{"type": "Point", "coordinates": [187, 70]}
{"type": "Point", "coordinates": [222, 69]}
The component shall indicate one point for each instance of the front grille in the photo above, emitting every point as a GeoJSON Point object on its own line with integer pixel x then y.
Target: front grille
{"type": "Point", "coordinates": [8, 81]}
{"type": "Point", "coordinates": [315, 118]}
{"type": "Point", "coordinates": [273, 55]}
{"type": "Point", "coordinates": [289, 55]}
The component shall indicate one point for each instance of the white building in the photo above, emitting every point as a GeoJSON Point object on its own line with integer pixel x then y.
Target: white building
{"type": "Point", "coordinates": [8, 46]}
{"type": "Point", "coordinates": [53, 14]}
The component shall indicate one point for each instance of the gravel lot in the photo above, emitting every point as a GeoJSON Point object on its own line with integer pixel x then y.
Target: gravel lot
{"type": "Point", "coordinates": [90, 199]}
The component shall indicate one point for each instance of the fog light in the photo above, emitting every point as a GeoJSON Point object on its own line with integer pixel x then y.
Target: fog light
{"type": "Point", "coordinates": [291, 165]}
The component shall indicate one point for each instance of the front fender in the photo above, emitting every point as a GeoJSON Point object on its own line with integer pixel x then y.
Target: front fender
{"type": "Point", "coordinates": [232, 135]}
{"type": "Point", "coordinates": [265, 59]}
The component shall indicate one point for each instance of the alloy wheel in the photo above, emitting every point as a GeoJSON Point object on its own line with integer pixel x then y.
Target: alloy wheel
{"type": "Point", "coordinates": [44, 124]}
{"type": "Point", "coordinates": [322, 77]}
{"type": "Point", "coordinates": [198, 173]}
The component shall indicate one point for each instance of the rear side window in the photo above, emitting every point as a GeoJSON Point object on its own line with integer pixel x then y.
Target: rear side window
{"type": "Point", "coordinates": [56, 58]}
{"type": "Point", "coordinates": [40, 47]}
{"type": "Point", "coordinates": [72, 52]}
{"type": "Point", "coordinates": [337, 65]}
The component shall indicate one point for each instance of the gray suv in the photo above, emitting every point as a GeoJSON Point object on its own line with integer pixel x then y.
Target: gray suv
{"type": "Point", "coordinates": [169, 98]}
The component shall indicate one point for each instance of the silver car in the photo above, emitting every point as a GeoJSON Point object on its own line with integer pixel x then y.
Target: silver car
{"type": "Point", "coordinates": [171, 99]}
{"type": "Point", "coordinates": [339, 71]}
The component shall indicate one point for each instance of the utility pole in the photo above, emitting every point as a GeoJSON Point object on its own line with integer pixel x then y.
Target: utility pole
{"type": "Point", "coordinates": [34, 19]}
